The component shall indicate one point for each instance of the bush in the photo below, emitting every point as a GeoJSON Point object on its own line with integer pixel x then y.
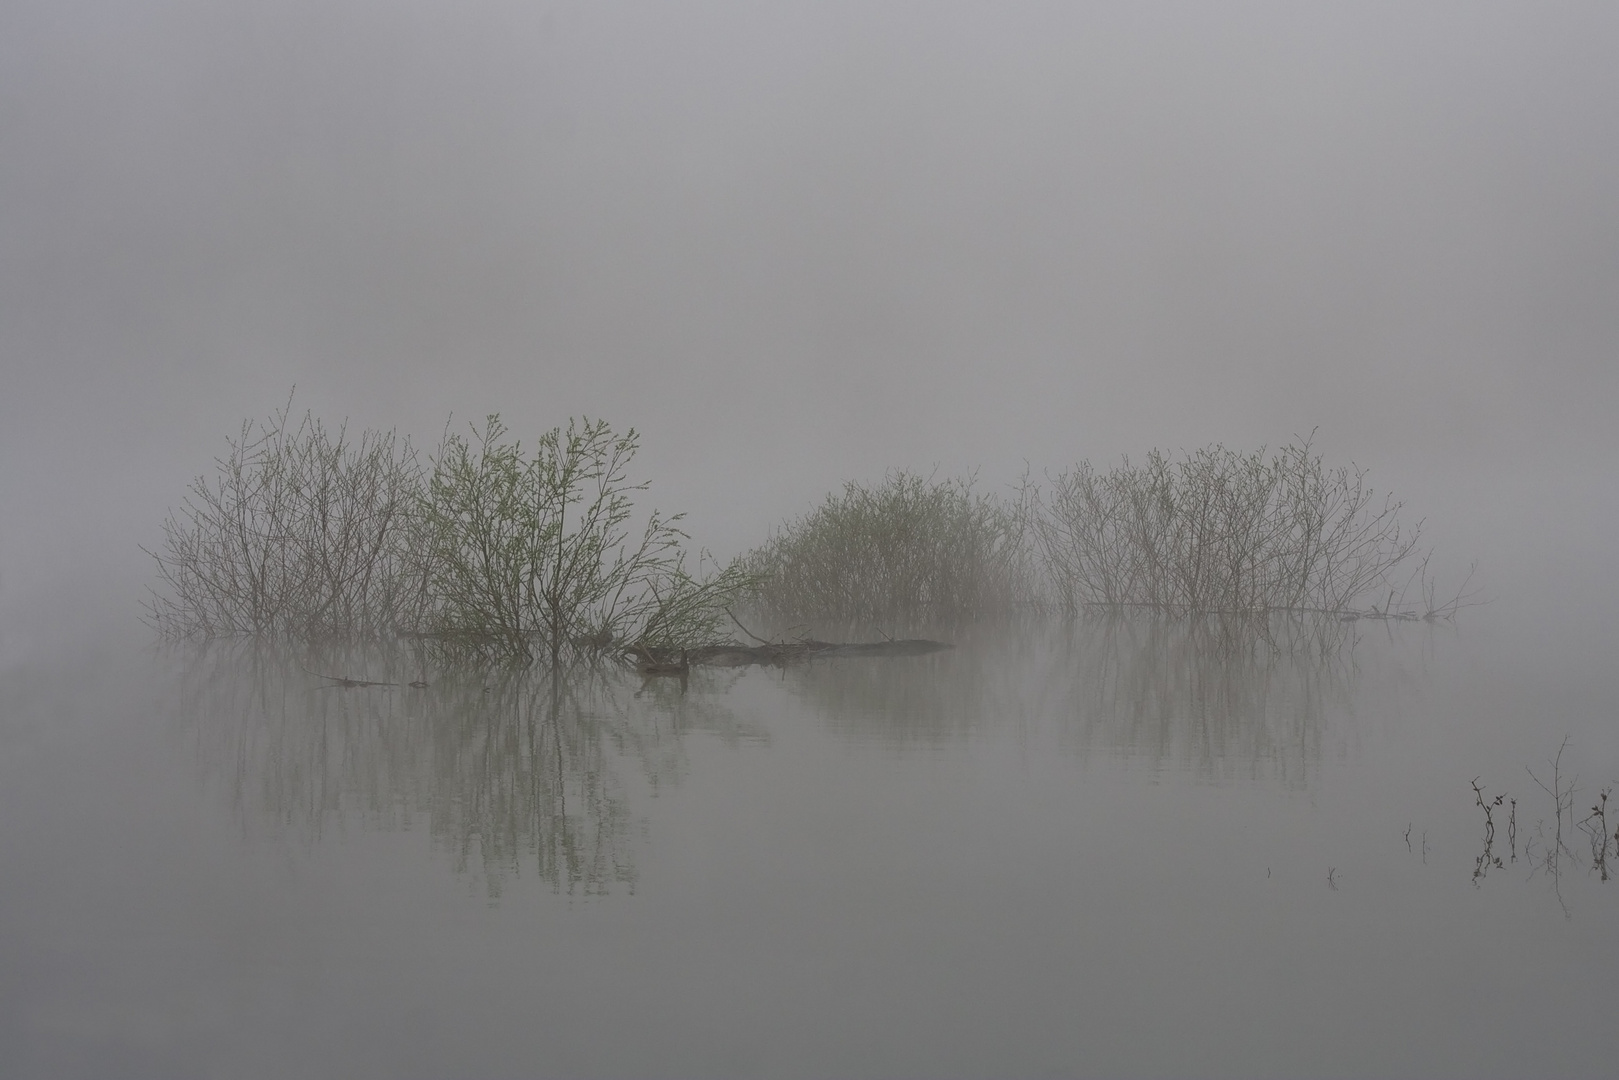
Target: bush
{"type": "Point", "coordinates": [302, 532]}
{"type": "Point", "coordinates": [536, 551]}
{"type": "Point", "coordinates": [305, 533]}
{"type": "Point", "coordinates": [910, 547]}
{"type": "Point", "coordinates": [1218, 532]}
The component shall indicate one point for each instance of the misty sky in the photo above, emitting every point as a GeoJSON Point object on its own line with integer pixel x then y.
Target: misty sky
{"type": "Point", "coordinates": [798, 243]}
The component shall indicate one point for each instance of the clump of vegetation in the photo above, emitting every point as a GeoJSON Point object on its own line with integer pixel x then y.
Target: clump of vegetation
{"type": "Point", "coordinates": [305, 533]}
{"type": "Point", "coordinates": [1218, 532]}
{"type": "Point", "coordinates": [1215, 532]}
{"type": "Point", "coordinates": [301, 532]}
{"type": "Point", "coordinates": [1547, 850]}
{"type": "Point", "coordinates": [910, 547]}
{"type": "Point", "coordinates": [535, 550]}
{"type": "Point", "coordinates": [496, 549]}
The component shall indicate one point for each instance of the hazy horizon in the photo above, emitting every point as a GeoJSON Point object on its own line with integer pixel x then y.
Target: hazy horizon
{"type": "Point", "coordinates": [801, 244]}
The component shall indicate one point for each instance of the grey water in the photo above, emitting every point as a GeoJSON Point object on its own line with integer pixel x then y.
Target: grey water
{"type": "Point", "coordinates": [1082, 847]}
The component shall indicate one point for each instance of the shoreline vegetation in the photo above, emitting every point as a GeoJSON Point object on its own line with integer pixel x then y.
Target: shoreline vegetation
{"type": "Point", "coordinates": [491, 548]}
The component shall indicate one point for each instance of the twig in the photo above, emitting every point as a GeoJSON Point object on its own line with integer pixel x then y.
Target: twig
{"type": "Point", "coordinates": [745, 630]}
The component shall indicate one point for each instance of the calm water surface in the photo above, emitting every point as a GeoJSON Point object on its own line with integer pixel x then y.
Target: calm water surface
{"type": "Point", "coordinates": [1056, 849]}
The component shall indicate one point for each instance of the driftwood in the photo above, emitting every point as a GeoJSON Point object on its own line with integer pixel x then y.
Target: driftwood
{"type": "Point", "coordinates": [653, 662]}
{"type": "Point", "coordinates": [657, 661]}
{"type": "Point", "coordinates": [735, 654]}
{"type": "Point", "coordinates": [343, 682]}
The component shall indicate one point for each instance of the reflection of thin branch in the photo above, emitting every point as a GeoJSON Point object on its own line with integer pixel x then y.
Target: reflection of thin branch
{"type": "Point", "coordinates": [1512, 829]}
{"type": "Point", "coordinates": [1563, 802]}
{"type": "Point", "coordinates": [1562, 798]}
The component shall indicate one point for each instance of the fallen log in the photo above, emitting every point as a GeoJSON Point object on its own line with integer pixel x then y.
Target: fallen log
{"type": "Point", "coordinates": [343, 682]}
{"type": "Point", "coordinates": [735, 654]}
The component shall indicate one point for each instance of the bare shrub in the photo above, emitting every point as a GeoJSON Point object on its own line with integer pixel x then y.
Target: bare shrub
{"type": "Point", "coordinates": [302, 531]}
{"type": "Point", "coordinates": [1217, 532]}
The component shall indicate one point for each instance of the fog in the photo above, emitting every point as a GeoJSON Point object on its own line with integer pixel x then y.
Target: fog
{"type": "Point", "coordinates": [797, 244]}
{"type": "Point", "coordinates": [793, 245]}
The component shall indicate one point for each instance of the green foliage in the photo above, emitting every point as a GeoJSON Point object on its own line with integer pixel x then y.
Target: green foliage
{"type": "Point", "coordinates": [306, 533]}
{"type": "Point", "coordinates": [535, 552]}
{"type": "Point", "coordinates": [500, 550]}
{"type": "Point", "coordinates": [908, 548]}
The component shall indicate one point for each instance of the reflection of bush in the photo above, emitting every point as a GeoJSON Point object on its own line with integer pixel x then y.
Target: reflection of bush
{"type": "Point", "coordinates": [513, 773]}
{"type": "Point", "coordinates": [924, 699]}
{"type": "Point", "coordinates": [1200, 693]}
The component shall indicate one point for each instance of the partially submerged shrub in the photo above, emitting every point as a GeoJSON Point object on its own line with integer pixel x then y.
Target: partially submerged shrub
{"type": "Point", "coordinates": [535, 551]}
{"type": "Point", "coordinates": [301, 532]}
{"type": "Point", "coordinates": [304, 532]}
{"type": "Point", "coordinates": [910, 547]}
{"type": "Point", "coordinates": [307, 533]}
{"type": "Point", "coordinates": [1218, 532]}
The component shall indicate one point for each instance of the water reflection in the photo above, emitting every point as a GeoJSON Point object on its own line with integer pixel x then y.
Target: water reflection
{"type": "Point", "coordinates": [926, 699]}
{"type": "Point", "coordinates": [511, 772]}
{"type": "Point", "coordinates": [1190, 694]}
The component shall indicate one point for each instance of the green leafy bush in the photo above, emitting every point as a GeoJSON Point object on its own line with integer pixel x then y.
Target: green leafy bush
{"type": "Point", "coordinates": [910, 547]}
{"type": "Point", "coordinates": [535, 551]}
{"type": "Point", "coordinates": [303, 533]}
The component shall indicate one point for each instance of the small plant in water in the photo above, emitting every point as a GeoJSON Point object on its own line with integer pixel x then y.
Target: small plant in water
{"type": "Point", "coordinates": [1486, 858]}
{"type": "Point", "coordinates": [1596, 828]}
